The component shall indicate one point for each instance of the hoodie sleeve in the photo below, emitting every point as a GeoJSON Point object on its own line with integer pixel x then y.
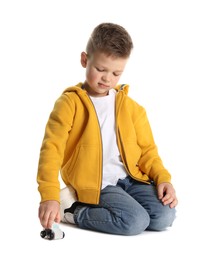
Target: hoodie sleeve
{"type": "Point", "coordinates": [52, 150]}
{"type": "Point", "coordinates": [150, 162]}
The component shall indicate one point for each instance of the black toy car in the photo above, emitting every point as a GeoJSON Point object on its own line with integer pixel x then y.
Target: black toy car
{"type": "Point", "coordinates": [54, 233]}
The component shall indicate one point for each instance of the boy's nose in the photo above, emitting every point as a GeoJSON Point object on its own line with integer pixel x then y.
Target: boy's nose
{"type": "Point", "coordinates": [106, 77]}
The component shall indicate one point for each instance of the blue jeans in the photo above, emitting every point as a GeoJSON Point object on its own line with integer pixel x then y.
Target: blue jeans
{"type": "Point", "coordinates": [128, 208]}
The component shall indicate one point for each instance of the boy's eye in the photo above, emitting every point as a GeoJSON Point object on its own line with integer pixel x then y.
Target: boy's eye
{"type": "Point", "coordinates": [100, 70]}
{"type": "Point", "coordinates": [116, 74]}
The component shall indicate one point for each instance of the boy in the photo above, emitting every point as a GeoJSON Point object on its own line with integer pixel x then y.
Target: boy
{"type": "Point", "coordinates": [101, 141]}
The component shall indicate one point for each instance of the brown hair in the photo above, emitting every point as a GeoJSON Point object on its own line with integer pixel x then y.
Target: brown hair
{"type": "Point", "coordinates": [111, 39]}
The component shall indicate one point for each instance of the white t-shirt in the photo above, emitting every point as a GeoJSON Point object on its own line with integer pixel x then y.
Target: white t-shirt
{"type": "Point", "coordinates": [113, 168]}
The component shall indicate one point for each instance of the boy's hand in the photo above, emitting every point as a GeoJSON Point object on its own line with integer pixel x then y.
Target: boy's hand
{"type": "Point", "coordinates": [49, 211]}
{"type": "Point", "coordinates": [166, 193]}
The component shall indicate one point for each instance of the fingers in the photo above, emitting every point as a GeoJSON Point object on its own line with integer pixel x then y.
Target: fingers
{"type": "Point", "coordinates": [166, 194]}
{"type": "Point", "coordinates": [48, 213]}
{"type": "Point", "coordinates": [169, 199]}
{"type": "Point", "coordinates": [160, 192]}
{"type": "Point", "coordinates": [46, 219]}
{"type": "Point", "coordinates": [173, 203]}
{"type": "Point", "coordinates": [57, 218]}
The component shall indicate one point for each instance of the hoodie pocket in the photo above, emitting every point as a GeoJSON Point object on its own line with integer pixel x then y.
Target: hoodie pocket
{"type": "Point", "coordinates": [85, 167]}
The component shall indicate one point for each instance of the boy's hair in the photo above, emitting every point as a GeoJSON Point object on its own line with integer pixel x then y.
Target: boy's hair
{"type": "Point", "coordinates": [111, 39]}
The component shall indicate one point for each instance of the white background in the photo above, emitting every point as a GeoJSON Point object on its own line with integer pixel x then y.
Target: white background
{"type": "Point", "coordinates": [170, 73]}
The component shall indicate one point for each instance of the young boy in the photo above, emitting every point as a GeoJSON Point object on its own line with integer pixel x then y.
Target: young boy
{"type": "Point", "coordinates": [101, 141]}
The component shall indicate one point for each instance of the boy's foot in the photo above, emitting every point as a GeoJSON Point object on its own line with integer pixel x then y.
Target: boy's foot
{"type": "Point", "coordinates": [67, 198]}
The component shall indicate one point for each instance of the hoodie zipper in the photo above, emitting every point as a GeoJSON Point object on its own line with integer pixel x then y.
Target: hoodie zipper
{"type": "Point", "coordinates": [119, 140]}
{"type": "Point", "coordinates": [101, 142]}
{"type": "Point", "coordinates": [120, 144]}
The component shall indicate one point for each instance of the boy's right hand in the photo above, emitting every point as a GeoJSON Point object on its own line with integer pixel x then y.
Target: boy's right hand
{"type": "Point", "coordinates": [49, 212]}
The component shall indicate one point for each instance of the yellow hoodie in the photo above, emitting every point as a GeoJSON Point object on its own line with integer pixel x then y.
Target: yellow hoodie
{"type": "Point", "coordinates": [72, 145]}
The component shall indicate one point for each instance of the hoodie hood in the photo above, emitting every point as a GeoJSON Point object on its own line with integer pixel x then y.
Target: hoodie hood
{"type": "Point", "coordinates": [79, 88]}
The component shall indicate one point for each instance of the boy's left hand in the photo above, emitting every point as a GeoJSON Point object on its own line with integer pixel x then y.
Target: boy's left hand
{"type": "Point", "coordinates": [166, 193]}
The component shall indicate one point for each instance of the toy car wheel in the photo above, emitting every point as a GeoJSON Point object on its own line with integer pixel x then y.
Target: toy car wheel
{"type": "Point", "coordinates": [43, 233]}
{"type": "Point", "coordinates": [51, 236]}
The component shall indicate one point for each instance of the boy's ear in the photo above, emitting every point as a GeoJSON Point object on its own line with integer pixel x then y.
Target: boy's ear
{"type": "Point", "coordinates": [83, 59]}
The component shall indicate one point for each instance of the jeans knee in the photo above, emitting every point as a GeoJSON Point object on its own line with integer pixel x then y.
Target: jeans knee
{"type": "Point", "coordinates": [162, 220]}
{"type": "Point", "coordinates": [136, 224]}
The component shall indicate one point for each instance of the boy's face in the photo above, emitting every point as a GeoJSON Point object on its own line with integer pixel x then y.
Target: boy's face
{"type": "Point", "coordinates": [102, 72]}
